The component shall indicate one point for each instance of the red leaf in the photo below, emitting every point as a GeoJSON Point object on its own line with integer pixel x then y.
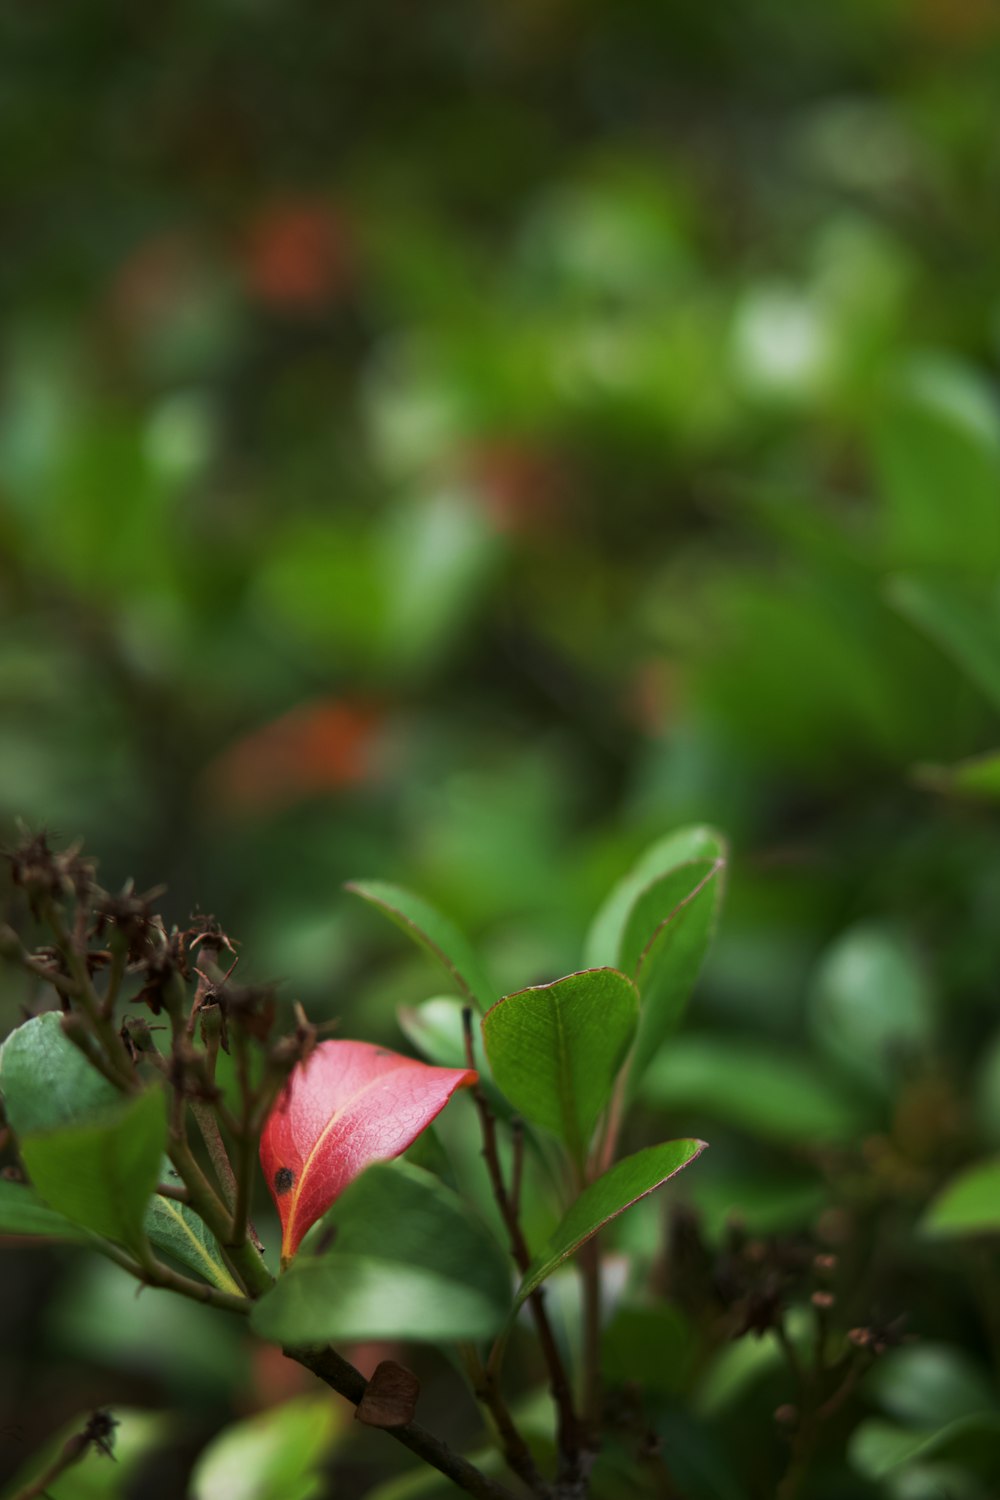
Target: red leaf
{"type": "Point", "coordinates": [348, 1105]}
{"type": "Point", "coordinates": [317, 747]}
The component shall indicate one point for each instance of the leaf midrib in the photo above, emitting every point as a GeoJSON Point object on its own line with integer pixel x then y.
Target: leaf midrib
{"type": "Point", "coordinates": [216, 1273]}
{"type": "Point", "coordinates": [331, 1122]}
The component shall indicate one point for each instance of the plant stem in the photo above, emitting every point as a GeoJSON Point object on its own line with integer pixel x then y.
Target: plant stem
{"type": "Point", "coordinates": [515, 1450]}
{"type": "Point", "coordinates": [90, 1002]}
{"type": "Point", "coordinates": [348, 1382]}
{"type": "Point", "coordinates": [71, 1452]}
{"type": "Point", "coordinates": [243, 1181]}
{"type": "Point", "coordinates": [115, 977]}
{"type": "Point", "coordinates": [171, 1190]}
{"type": "Point", "coordinates": [593, 1395]}
{"type": "Point", "coordinates": [245, 1260]}
{"type": "Point", "coordinates": [562, 1395]}
{"type": "Point", "coordinates": [153, 1272]}
{"type": "Point", "coordinates": [208, 1124]}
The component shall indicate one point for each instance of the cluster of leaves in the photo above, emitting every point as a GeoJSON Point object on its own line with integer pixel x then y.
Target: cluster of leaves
{"type": "Point", "coordinates": [101, 1116]}
{"type": "Point", "coordinates": [147, 1153]}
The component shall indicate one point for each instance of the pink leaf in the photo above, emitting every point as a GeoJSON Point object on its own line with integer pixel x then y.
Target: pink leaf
{"type": "Point", "coordinates": [348, 1105]}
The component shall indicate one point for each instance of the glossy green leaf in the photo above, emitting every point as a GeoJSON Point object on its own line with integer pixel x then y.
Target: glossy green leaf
{"type": "Point", "coordinates": [432, 931]}
{"type": "Point", "coordinates": [878, 1449]}
{"type": "Point", "coordinates": [436, 555]}
{"type": "Point", "coordinates": [970, 1204]}
{"type": "Point", "coordinates": [45, 1079]}
{"type": "Point", "coordinates": [771, 1093]}
{"type": "Point", "coordinates": [630, 1179]}
{"type": "Point", "coordinates": [22, 1212]}
{"type": "Point", "coordinates": [927, 1384]}
{"type": "Point", "coordinates": [667, 934]}
{"type": "Point", "coordinates": [102, 1172]}
{"type": "Point", "coordinates": [652, 1344]}
{"type": "Point", "coordinates": [273, 1455]}
{"type": "Point", "coordinates": [683, 846]}
{"type": "Point", "coordinates": [962, 620]}
{"type": "Point", "coordinates": [436, 1029]}
{"type": "Point", "coordinates": [178, 1231]}
{"type": "Point", "coordinates": [703, 1467]}
{"type": "Point", "coordinates": [976, 779]}
{"type": "Point", "coordinates": [937, 455]}
{"type": "Point", "coordinates": [555, 1050]}
{"type": "Point", "coordinates": [870, 1004]}
{"type": "Point", "coordinates": [408, 1261]}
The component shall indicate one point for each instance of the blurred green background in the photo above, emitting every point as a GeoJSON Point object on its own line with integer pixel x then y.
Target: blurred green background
{"type": "Point", "coordinates": [459, 445]}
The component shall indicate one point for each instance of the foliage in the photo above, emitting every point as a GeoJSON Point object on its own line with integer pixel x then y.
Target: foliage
{"type": "Point", "coordinates": [468, 452]}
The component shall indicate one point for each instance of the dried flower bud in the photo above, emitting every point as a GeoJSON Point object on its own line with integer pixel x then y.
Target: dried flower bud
{"type": "Point", "coordinates": [43, 874]}
{"type": "Point", "coordinates": [252, 1007]}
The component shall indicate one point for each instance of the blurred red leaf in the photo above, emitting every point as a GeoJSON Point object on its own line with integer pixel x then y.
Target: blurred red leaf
{"type": "Point", "coordinates": [525, 490]}
{"type": "Point", "coordinates": [348, 1105]}
{"type": "Point", "coordinates": [316, 747]}
{"type": "Point", "coordinates": [300, 255]}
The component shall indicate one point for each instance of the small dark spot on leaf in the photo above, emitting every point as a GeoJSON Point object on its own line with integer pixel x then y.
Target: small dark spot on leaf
{"type": "Point", "coordinates": [283, 1179]}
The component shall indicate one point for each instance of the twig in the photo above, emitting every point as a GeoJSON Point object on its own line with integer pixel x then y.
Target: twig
{"type": "Point", "coordinates": [515, 1450]}
{"type": "Point", "coordinates": [90, 1001]}
{"type": "Point", "coordinates": [152, 1272]}
{"type": "Point", "coordinates": [208, 1124]}
{"type": "Point", "coordinates": [96, 1432]}
{"type": "Point", "coordinates": [245, 1153]}
{"type": "Point", "coordinates": [351, 1384]}
{"type": "Point", "coordinates": [791, 1355]}
{"type": "Point", "coordinates": [593, 1396]}
{"type": "Point", "coordinates": [178, 1193]}
{"type": "Point", "coordinates": [119, 960]}
{"type": "Point", "coordinates": [517, 1166]}
{"type": "Point", "coordinates": [40, 970]}
{"type": "Point", "coordinates": [562, 1395]}
{"type": "Point", "coordinates": [245, 1260]}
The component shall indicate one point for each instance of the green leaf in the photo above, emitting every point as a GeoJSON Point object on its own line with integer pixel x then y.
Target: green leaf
{"type": "Point", "coordinates": [555, 1050]}
{"type": "Point", "coordinates": [879, 1448]}
{"type": "Point", "coordinates": [666, 937]}
{"type": "Point", "coordinates": [274, 1455]}
{"type": "Point", "coordinates": [653, 1345]}
{"type": "Point", "coordinates": [630, 1179]}
{"type": "Point", "coordinates": [970, 1204]}
{"type": "Point", "coordinates": [776, 1095]}
{"type": "Point", "coordinates": [436, 555]}
{"type": "Point", "coordinates": [937, 454]}
{"type": "Point", "coordinates": [408, 1261]}
{"type": "Point", "coordinates": [870, 1003]}
{"type": "Point", "coordinates": [433, 932]}
{"type": "Point", "coordinates": [101, 1173]}
{"type": "Point", "coordinates": [927, 1385]}
{"type": "Point", "coordinates": [977, 778]}
{"type": "Point", "coordinates": [45, 1079]}
{"type": "Point", "coordinates": [436, 1029]}
{"type": "Point", "coordinates": [178, 1231]}
{"type": "Point", "coordinates": [23, 1212]}
{"type": "Point", "coordinates": [964, 621]}
{"type": "Point", "coordinates": [683, 846]}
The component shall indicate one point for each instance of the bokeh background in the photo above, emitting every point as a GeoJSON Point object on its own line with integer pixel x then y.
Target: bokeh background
{"type": "Point", "coordinates": [460, 444]}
